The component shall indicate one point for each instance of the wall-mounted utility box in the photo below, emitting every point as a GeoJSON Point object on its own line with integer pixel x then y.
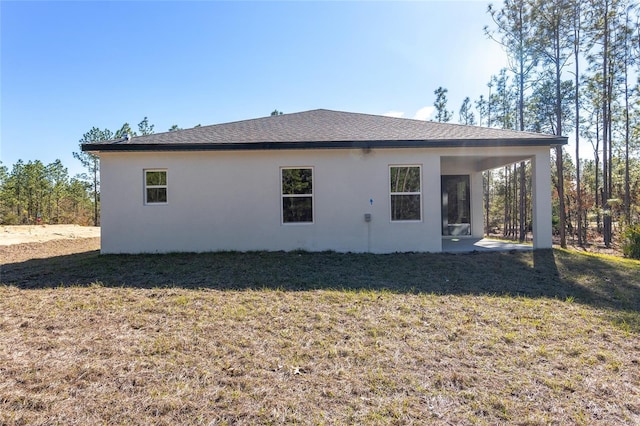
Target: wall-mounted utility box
{"type": "Point", "coordinates": [367, 217]}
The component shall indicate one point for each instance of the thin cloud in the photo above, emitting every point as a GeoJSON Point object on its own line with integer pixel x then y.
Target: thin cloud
{"type": "Point", "coordinates": [425, 113]}
{"type": "Point", "coordinates": [396, 114]}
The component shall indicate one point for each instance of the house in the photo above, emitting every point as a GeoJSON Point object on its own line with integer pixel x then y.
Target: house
{"type": "Point", "coordinates": [315, 180]}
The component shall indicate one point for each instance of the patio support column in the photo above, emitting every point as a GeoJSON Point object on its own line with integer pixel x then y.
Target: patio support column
{"type": "Point", "coordinates": [477, 205]}
{"type": "Point", "coordinates": [541, 194]}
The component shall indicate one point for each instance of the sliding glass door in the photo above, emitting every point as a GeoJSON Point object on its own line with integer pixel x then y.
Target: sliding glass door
{"type": "Point", "coordinates": [456, 207]}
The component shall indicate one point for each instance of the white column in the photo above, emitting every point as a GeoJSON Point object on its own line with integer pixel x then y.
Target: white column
{"type": "Point", "coordinates": [477, 205]}
{"type": "Point", "coordinates": [541, 194]}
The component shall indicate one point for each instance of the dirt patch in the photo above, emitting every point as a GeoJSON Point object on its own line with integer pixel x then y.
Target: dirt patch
{"type": "Point", "coordinates": [10, 235]}
{"type": "Point", "coordinates": [42, 250]}
{"type": "Point", "coordinates": [21, 243]}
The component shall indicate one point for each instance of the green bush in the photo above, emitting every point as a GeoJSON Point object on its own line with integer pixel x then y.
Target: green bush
{"type": "Point", "coordinates": [631, 242]}
{"type": "Point", "coordinates": [9, 219]}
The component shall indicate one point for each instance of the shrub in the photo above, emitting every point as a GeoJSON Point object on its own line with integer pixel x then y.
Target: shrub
{"type": "Point", "coordinates": [631, 242]}
{"type": "Point", "coordinates": [9, 219]}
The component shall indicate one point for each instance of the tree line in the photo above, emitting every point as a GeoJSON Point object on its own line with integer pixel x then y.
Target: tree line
{"type": "Point", "coordinates": [573, 71]}
{"type": "Point", "coordinates": [38, 193]}
{"type": "Point", "coordinates": [34, 192]}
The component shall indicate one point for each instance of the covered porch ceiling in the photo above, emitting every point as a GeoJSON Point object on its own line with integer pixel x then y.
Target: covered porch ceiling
{"type": "Point", "coordinates": [480, 163]}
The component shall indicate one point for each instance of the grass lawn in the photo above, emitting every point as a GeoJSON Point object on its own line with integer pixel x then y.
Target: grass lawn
{"type": "Point", "coordinates": [549, 337]}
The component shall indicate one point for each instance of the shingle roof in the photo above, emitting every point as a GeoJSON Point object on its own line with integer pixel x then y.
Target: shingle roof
{"type": "Point", "coordinates": [325, 129]}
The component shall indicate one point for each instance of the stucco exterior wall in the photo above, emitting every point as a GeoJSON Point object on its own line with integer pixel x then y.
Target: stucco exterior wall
{"type": "Point", "coordinates": [542, 218]}
{"type": "Point", "coordinates": [232, 201]}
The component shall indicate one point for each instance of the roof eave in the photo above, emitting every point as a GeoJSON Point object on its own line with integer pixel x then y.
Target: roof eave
{"type": "Point", "coordinates": [267, 146]}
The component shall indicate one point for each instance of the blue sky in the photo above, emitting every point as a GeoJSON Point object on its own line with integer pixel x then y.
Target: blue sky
{"type": "Point", "coordinates": [69, 66]}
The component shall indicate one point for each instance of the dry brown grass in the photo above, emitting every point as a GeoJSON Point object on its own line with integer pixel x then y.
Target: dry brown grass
{"type": "Point", "coordinates": [299, 340]}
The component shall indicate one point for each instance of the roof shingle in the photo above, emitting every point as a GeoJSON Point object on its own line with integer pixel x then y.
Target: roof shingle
{"type": "Point", "coordinates": [326, 129]}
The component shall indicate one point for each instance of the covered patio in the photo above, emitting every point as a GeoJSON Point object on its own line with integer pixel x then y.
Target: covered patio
{"type": "Point", "coordinates": [463, 212]}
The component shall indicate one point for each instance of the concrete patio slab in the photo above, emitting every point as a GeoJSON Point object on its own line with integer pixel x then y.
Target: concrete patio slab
{"type": "Point", "coordinates": [466, 245]}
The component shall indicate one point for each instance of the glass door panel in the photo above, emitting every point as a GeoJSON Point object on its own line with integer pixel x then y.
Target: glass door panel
{"type": "Point", "coordinates": [456, 206]}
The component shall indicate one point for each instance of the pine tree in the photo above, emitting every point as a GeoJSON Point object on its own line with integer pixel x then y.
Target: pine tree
{"type": "Point", "coordinates": [91, 162]}
{"type": "Point", "coordinates": [466, 115]}
{"type": "Point", "coordinates": [552, 33]}
{"type": "Point", "coordinates": [442, 114]}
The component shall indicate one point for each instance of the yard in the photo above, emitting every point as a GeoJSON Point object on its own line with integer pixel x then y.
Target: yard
{"type": "Point", "coordinates": [551, 337]}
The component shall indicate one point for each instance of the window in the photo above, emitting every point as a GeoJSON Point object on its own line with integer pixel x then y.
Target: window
{"type": "Point", "coordinates": [155, 186]}
{"type": "Point", "coordinates": [405, 191]}
{"type": "Point", "coordinates": [297, 195]}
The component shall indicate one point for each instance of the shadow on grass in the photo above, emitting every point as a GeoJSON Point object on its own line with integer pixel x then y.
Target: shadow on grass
{"type": "Point", "coordinates": [540, 273]}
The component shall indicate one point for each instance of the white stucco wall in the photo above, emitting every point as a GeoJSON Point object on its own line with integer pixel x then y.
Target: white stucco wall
{"type": "Point", "coordinates": [542, 223]}
{"type": "Point", "coordinates": [232, 201]}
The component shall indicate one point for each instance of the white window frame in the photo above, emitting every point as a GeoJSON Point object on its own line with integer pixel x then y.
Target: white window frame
{"type": "Point", "coordinates": [312, 196]}
{"type": "Point", "coordinates": [165, 186]}
{"type": "Point", "coordinates": [391, 193]}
